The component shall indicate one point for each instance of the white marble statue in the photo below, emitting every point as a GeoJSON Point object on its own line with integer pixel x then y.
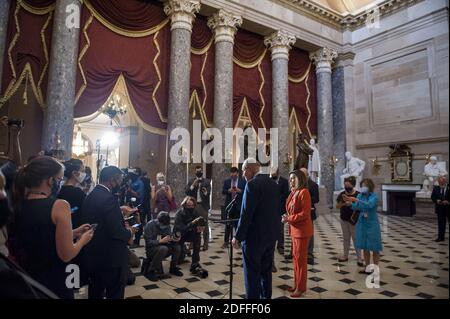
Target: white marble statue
{"type": "Point", "coordinates": [354, 167]}
{"type": "Point", "coordinates": [314, 161]}
{"type": "Point", "coordinates": [432, 171]}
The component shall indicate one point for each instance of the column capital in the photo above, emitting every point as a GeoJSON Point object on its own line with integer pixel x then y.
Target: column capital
{"type": "Point", "coordinates": [181, 13]}
{"type": "Point", "coordinates": [280, 43]}
{"type": "Point", "coordinates": [345, 59]}
{"type": "Point", "coordinates": [224, 25]}
{"type": "Point", "coordinates": [323, 58]}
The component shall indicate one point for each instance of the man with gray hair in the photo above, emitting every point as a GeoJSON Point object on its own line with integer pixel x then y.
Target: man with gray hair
{"type": "Point", "coordinates": [258, 229]}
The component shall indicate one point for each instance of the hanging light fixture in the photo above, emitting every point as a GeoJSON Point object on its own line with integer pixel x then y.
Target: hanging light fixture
{"type": "Point", "coordinates": [114, 106]}
{"type": "Point", "coordinates": [80, 146]}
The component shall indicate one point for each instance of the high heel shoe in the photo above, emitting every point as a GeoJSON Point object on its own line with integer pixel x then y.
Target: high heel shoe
{"type": "Point", "coordinates": [291, 289]}
{"type": "Point", "coordinates": [297, 295]}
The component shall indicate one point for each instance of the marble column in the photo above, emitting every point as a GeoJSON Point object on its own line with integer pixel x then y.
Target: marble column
{"type": "Point", "coordinates": [323, 59]}
{"type": "Point", "coordinates": [280, 43]}
{"type": "Point", "coordinates": [339, 119]}
{"type": "Point", "coordinates": [224, 25]}
{"type": "Point", "coordinates": [58, 115]}
{"type": "Point", "coordinates": [4, 18]}
{"type": "Point", "coordinates": [182, 14]}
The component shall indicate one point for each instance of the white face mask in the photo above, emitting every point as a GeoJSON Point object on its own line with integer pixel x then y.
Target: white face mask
{"type": "Point", "coordinates": [81, 177]}
{"type": "Point", "coordinates": [161, 183]}
{"type": "Point", "coordinates": [365, 190]}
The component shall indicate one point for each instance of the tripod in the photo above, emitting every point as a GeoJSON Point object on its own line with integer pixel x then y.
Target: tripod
{"type": "Point", "coordinates": [229, 223]}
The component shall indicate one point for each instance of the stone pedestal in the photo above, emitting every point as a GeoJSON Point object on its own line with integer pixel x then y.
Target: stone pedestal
{"type": "Point", "coordinates": [323, 59]}
{"type": "Point", "coordinates": [182, 14]}
{"type": "Point", "coordinates": [58, 116]}
{"type": "Point", "coordinates": [424, 206]}
{"type": "Point", "coordinates": [4, 18]}
{"type": "Point", "coordinates": [280, 43]}
{"type": "Point", "coordinates": [224, 25]}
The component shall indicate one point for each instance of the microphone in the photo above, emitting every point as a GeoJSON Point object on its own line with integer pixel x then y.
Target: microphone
{"type": "Point", "coordinates": [231, 205]}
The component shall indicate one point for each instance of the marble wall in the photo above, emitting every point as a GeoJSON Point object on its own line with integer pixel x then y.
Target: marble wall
{"type": "Point", "coordinates": [400, 88]}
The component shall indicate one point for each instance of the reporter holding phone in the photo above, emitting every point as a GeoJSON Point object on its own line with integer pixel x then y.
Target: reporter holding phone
{"type": "Point", "coordinates": [106, 257]}
{"type": "Point", "coordinates": [43, 239]}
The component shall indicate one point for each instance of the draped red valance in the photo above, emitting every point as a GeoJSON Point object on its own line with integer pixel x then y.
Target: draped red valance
{"type": "Point", "coordinates": [248, 46]}
{"type": "Point", "coordinates": [142, 61]}
{"type": "Point", "coordinates": [27, 49]}
{"type": "Point", "coordinates": [202, 71]}
{"type": "Point", "coordinates": [302, 92]}
{"type": "Point", "coordinates": [131, 16]}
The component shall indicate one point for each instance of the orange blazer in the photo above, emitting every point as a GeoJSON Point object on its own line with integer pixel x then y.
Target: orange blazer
{"type": "Point", "coordinates": [298, 207]}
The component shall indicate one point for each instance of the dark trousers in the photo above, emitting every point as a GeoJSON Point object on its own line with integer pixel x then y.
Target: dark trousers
{"type": "Point", "coordinates": [194, 238]}
{"type": "Point", "coordinates": [228, 229]}
{"type": "Point", "coordinates": [258, 260]}
{"type": "Point", "coordinates": [158, 253]}
{"type": "Point", "coordinates": [280, 242]}
{"type": "Point", "coordinates": [138, 235]}
{"type": "Point", "coordinates": [443, 219]}
{"type": "Point", "coordinates": [109, 283]}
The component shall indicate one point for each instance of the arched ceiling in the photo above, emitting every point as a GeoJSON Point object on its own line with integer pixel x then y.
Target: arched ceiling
{"type": "Point", "coordinates": [346, 6]}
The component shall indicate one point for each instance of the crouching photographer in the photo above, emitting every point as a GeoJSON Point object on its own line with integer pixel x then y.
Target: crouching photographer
{"type": "Point", "coordinates": [160, 244]}
{"type": "Point", "coordinates": [190, 225]}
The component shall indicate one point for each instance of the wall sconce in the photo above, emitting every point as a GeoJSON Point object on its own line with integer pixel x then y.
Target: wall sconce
{"type": "Point", "coordinates": [333, 161]}
{"type": "Point", "coordinates": [375, 166]}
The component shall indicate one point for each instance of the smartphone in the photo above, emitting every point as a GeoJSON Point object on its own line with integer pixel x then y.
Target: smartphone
{"type": "Point", "coordinates": [74, 209]}
{"type": "Point", "coordinates": [136, 225]}
{"type": "Point", "coordinates": [94, 226]}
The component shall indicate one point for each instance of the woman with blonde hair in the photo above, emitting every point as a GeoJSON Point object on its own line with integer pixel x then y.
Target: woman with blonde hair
{"type": "Point", "coordinates": [298, 207]}
{"type": "Point", "coordinates": [162, 196]}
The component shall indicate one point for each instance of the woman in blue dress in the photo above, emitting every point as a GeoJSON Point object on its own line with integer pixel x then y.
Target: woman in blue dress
{"type": "Point", "coordinates": [368, 232]}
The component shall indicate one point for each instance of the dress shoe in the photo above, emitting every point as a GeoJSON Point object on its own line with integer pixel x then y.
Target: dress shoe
{"type": "Point", "coordinates": [310, 261]}
{"type": "Point", "coordinates": [274, 268]}
{"type": "Point", "coordinates": [152, 276]}
{"type": "Point", "coordinates": [225, 246]}
{"type": "Point", "coordinates": [439, 240]}
{"type": "Point", "coordinates": [289, 257]}
{"type": "Point", "coordinates": [176, 272]}
{"type": "Point", "coordinates": [281, 250]}
{"type": "Point", "coordinates": [291, 289]}
{"type": "Point", "coordinates": [342, 259]}
{"type": "Point", "coordinates": [360, 263]}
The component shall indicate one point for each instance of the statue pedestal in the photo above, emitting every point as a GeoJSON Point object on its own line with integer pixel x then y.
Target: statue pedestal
{"type": "Point", "coordinates": [424, 206]}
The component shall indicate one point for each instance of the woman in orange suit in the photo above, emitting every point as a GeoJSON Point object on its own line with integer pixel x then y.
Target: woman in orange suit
{"type": "Point", "coordinates": [298, 207]}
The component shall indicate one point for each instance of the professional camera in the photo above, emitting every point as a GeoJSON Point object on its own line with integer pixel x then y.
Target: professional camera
{"type": "Point", "coordinates": [200, 222]}
{"type": "Point", "coordinates": [176, 236]}
{"type": "Point", "coordinates": [200, 272]}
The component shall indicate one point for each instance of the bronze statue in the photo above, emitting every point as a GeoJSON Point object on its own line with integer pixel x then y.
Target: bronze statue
{"type": "Point", "coordinates": [303, 153]}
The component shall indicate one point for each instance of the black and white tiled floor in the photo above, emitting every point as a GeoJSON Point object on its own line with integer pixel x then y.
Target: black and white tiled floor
{"type": "Point", "coordinates": [412, 266]}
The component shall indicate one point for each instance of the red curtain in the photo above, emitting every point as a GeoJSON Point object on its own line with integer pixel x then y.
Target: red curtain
{"type": "Point", "coordinates": [302, 95]}
{"type": "Point", "coordinates": [131, 15]}
{"type": "Point", "coordinates": [143, 62]}
{"type": "Point", "coordinates": [252, 83]}
{"type": "Point", "coordinates": [202, 68]}
{"type": "Point", "coordinates": [28, 43]}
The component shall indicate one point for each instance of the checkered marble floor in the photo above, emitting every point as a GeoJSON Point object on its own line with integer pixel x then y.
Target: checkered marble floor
{"type": "Point", "coordinates": [412, 266]}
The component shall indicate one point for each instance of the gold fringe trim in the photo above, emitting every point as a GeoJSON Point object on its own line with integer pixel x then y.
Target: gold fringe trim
{"type": "Point", "coordinates": [302, 78]}
{"type": "Point", "coordinates": [158, 73]}
{"type": "Point", "coordinates": [263, 106]}
{"type": "Point", "coordinates": [297, 123]}
{"type": "Point", "coordinates": [250, 65]}
{"type": "Point", "coordinates": [203, 50]}
{"type": "Point", "coordinates": [127, 33]}
{"type": "Point", "coordinates": [15, 83]}
{"type": "Point", "coordinates": [195, 101]}
{"type": "Point", "coordinates": [80, 57]}
{"type": "Point", "coordinates": [34, 10]}
{"type": "Point", "coordinates": [307, 105]}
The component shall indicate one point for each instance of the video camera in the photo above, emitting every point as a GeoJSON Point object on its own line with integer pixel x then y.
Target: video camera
{"type": "Point", "coordinates": [201, 222]}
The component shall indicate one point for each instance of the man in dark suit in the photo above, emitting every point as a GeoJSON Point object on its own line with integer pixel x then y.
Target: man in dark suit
{"type": "Point", "coordinates": [283, 184]}
{"type": "Point", "coordinates": [314, 191]}
{"type": "Point", "coordinates": [233, 188]}
{"type": "Point", "coordinates": [441, 198]}
{"type": "Point", "coordinates": [200, 188]}
{"type": "Point", "coordinates": [106, 257]}
{"type": "Point", "coordinates": [258, 230]}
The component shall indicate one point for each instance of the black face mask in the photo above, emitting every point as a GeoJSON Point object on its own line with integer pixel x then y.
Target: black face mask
{"type": "Point", "coordinates": [115, 189]}
{"type": "Point", "coordinates": [348, 189]}
{"type": "Point", "coordinates": [56, 186]}
{"type": "Point", "coordinates": [274, 177]}
{"type": "Point", "coordinates": [199, 174]}
{"type": "Point", "coordinates": [189, 210]}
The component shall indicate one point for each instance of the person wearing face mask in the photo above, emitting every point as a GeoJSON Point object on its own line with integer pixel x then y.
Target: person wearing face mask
{"type": "Point", "coordinates": [71, 190]}
{"type": "Point", "coordinates": [106, 257]}
{"type": "Point", "coordinates": [162, 195]}
{"type": "Point", "coordinates": [160, 244]}
{"type": "Point", "coordinates": [368, 232]}
{"type": "Point", "coordinates": [190, 225]}
{"type": "Point", "coordinates": [349, 217]}
{"type": "Point", "coordinates": [232, 189]}
{"type": "Point", "coordinates": [200, 188]}
{"type": "Point", "coordinates": [42, 237]}
{"type": "Point", "coordinates": [298, 207]}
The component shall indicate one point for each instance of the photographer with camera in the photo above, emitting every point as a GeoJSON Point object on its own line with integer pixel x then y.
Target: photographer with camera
{"type": "Point", "coordinates": [200, 189]}
{"type": "Point", "coordinates": [158, 249]}
{"type": "Point", "coordinates": [190, 225]}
